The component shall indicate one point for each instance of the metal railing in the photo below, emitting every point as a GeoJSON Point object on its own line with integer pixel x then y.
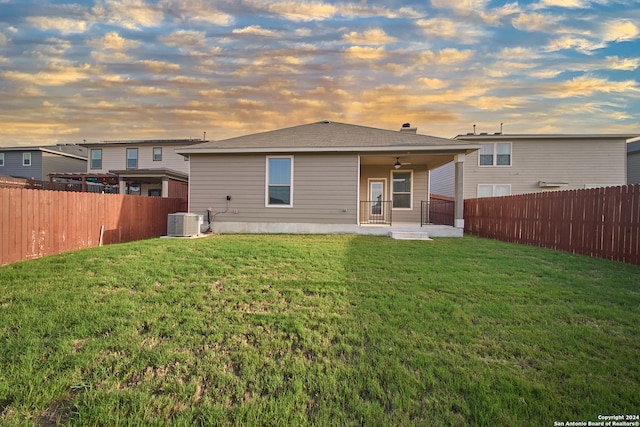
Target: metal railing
{"type": "Point", "coordinates": [439, 212]}
{"type": "Point", "coordinates": [376, 212]}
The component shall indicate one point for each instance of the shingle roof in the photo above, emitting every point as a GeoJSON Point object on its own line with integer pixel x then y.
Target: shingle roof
{"type": "Point", "coordinates": [326, 136]}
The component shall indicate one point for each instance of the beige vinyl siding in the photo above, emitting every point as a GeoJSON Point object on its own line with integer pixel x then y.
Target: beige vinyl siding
{"type": "Point", "coordinates": [420, 187]}
{"type": "Point", "coordinates": [633, 168]}
{"type": "Point", "coordinates": [115, 158]}
{"type": "Point", "coordinates": [53, 163]}
{"type": "Point", "coordinates": [580, 163]}
{"type": "Point", "coordinates": [324, 186]}
{"type": "Point", "coordinates": [442, 180]}
{"type": "Point", "coordinates": [170, 159]}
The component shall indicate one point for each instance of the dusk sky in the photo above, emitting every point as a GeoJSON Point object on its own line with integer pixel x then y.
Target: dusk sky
{"type": "Point", "coordinates": [135, 69]}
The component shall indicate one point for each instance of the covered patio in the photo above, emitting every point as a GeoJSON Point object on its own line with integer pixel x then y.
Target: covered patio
{"type": "Point", "coordinates": [394, 189]}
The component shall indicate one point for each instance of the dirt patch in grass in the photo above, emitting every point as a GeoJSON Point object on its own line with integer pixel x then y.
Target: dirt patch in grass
{"type": "Point", "coordinates": [57, 414]}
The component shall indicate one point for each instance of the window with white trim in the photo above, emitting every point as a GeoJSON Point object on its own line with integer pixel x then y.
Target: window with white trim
{"type": "Point", "coordinates": [401, 189]}
{"type": "Point", "coordinates": [157, 154]}
{"type": "Point", "coordinates": [279, 182]}
{"type": "Point", "coordinates": [1, 159]}
{"type": "Point", "coordinates": [495, 154]}
{"type": "Point", "coordinates": [494, 190]}
{"type": "Point", "coordinates": [96, 158]}
{"type": "Point", "coordinates": [132, 158]}
{"type": "Point", "coordinates": [26, 159]}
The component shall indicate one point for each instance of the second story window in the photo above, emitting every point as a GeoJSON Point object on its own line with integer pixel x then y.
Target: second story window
{"type": "Point", "coordinates": [132, 158]}
{"type": "Point", "coordinates": [96, 158]}
{"type": "Point", "coordinates": [495, 154]}
{"type": "Point", "coordinates": [26, 159]}
{"type": "Point", "coordinates": [1, 159]}
{"type": "Point", "coordinates": [157, 154]}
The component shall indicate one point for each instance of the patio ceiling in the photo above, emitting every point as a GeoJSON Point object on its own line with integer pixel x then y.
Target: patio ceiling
{"type": "Point", "coordinates": [431, 160]}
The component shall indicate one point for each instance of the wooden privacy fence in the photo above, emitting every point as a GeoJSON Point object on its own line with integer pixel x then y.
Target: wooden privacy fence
{"type": "Point", "coordinates": [36, 223]}
{"type": "Point", "coordinates": [601, 222]}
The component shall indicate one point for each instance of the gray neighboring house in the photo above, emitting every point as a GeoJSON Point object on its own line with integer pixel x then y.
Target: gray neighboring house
{"type": "Point", "coordinates": [633, 162]}
{"type": "Point", "coordinates": [40, 161]}
{"type": "Point", "coordinates": [323, 177]}
{"type": "Point", "coordinates": [516, 164]}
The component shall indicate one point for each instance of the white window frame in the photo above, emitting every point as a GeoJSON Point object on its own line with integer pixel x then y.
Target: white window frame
{"type": "Point", "coordinates": [493, 189]}
{"type": "Point", "coordinates": [495, 155]}
{"type": "Point", "coordinates": [1, 159]}
{"type": "Point", "coordinates": [126, 158]}
{"type": "Point", "coordinates": [267, 184]}
{"type": "Point", "coordinates": [410, 171]}
{"type": "Point", "coordinates": [26, 159]}
{"type": "Point", "coordinates": [91, 159]}
{"type": "Point", "coordinates": [384, 200]}
{"type": "Point", "coordinates": [153, 154]}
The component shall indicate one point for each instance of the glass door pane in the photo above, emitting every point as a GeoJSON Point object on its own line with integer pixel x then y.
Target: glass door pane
{"type": "Point", "coordinates": [376, 196]}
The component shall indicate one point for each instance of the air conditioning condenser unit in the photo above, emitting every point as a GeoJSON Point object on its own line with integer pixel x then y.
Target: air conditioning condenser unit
{"type": "Point", "coordinates": [183, 224]}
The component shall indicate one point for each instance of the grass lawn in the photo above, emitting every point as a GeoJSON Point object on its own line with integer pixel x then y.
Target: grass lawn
{"type": "Point", "coordinates": [318, 330]}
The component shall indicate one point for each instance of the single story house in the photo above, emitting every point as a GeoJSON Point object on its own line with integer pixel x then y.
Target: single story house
{"type": "Point", "coordinates": [509, 164]}
{"type": "Point", "coordinates": [323, 177]}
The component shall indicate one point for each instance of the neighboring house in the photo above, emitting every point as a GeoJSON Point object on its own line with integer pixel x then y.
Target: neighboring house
{"type": "Point", "coordinates": [323, 177]}
{"type": "Point", "coordinates": [633, 162]}
{"type": "Point", "coordinates": [517, 164]}
{"type": "Point", "coordinates": [147, 167]}
{"type": "Point", "coordinates": [39, 162]}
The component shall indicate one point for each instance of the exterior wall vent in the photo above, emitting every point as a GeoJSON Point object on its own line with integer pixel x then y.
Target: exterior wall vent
{"type": "Point", "coordinates": [550, 184]}
{"type": "Point", "coordinates": [183, 224]}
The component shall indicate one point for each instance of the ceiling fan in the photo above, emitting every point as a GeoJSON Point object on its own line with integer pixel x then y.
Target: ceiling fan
{"type": "Point", "coordinates": [397, 164]}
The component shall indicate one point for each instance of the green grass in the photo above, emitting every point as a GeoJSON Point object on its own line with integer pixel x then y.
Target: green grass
{"type": "Point", "coordinates": [318, 330]}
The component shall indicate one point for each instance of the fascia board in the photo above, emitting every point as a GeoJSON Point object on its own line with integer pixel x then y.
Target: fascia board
{"type": "Point", "coordinates": [384, 149]}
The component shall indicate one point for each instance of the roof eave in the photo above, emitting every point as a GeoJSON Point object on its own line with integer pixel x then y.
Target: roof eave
{"type": "Point", "coordinates": [458, 148]}
{"type": "Point", "coordinates": [151, 173]}
{"type": "Point", "coordinates": [62, 153]}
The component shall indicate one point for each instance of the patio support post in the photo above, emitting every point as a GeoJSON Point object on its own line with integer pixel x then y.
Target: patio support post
{"type": "Point", "coordinates": [459, 191]}
{"type": "Point", "coordinates": [165, 186]}
{"type": "Point", "coordinates": [122, 185]}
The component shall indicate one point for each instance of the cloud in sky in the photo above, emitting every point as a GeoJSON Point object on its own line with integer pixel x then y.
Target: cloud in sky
{"type": "Point", "coordinates": [374, 36]}
{"type": "Point", "coordinates": [136, 69]}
